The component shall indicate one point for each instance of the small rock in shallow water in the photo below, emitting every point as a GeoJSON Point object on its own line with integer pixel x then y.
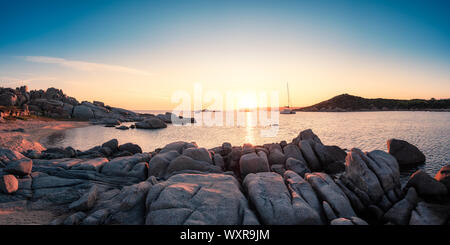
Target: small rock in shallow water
{"type": "Point", "coordinates": [130, 147]}
{"type": "Point", "coordinates": [405, 153]}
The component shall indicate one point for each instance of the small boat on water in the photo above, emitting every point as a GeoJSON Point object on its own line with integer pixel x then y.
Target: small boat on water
{"type": "Point", "coordinates": [287, 110]}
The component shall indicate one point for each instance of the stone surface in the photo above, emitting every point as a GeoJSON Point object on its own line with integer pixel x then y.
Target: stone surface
{"type": "Point", "coordinates": [86, 201]}
{"type": "Point", "coordinates": [429, 214]}
{"type": "Point", "coordinates": [400, 213]}
{"type": "Point", "coordinates": [274, 202]}
{"type": "Point", "coordinates": [405, 153]}
{"type": "Point", "coordinates": [309, 155]}
{"type": "Point", "coordinates": [253, 163]}
{"type": "Point", "coordinates": [426, 186]}
{"type": "Point", "coordinates": [130, 147]}
{"type": "Point", "coordinates": [198, 199]}
{"type": "Point", "coordinates": [8, 184]}
{"type": "Point", "coordinates": [361, 176]}
{"type": "Point", "coordinates": [328, 191]}
{"type": "Point", "coordinates": [120, 166]}
{"type": "Point", "coordinates": [151, 123]}
{"type": "Point", "coordinates": [158, 164]}
{"type": "Point", "coordinates": [297, 166]}
{"type": "Point", "coordinates": [19, 167]}
{"type": "Point", "coordinates": [443, 176]}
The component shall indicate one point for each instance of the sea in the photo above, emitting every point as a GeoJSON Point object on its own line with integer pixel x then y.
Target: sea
{"type": "Point", "coordinates": [429, 131]}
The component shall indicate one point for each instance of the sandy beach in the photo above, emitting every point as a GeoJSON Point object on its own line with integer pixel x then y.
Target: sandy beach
{"type": "Point", "coordinates": [14, 138]}
{"type": "Point", "coordinates": [18, 140]}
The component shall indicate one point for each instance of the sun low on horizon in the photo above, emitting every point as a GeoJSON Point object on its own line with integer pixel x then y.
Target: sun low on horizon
{"type": "Point", "coordinates": [137, 54]}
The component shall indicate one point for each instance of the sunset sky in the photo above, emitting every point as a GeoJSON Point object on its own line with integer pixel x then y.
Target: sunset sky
{"type": "Point", "coordinates": [135, 54]}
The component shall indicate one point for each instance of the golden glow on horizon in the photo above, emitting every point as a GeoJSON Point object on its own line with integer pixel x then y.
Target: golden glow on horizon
{"type": "Point", "coordinates": [313, 76]}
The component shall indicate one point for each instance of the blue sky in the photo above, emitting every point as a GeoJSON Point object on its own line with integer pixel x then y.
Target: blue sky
{"type": "Point", "coordinates": [184, 37]}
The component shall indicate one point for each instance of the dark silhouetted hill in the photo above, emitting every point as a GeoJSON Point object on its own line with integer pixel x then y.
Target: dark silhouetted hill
{"type": "Point", "coordinates": [346, 102]}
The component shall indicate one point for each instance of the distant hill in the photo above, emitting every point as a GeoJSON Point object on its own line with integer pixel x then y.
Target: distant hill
{"type": "Point", "coordinates": [346, 102]}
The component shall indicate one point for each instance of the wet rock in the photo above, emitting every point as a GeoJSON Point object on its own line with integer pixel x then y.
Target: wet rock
{"type": "Point", "coordinates": [130, 147]}
{"type": "Point", "coordinates": [328, 191]}
{"type": "Point", "coordinates": [297, 166]}
{"type": "Point", "coordinates": [400, 213]}
{"type": "Point", "coordinates": [274, 203]}
{"type": "Point", "coordinates": [123, 127]}
{"type": "Point", "coordinates": [8, 184]}
{"type": "Point", "coordinates": [253, 163]}
{"type": "Point", "coordinates": [405, 153]}
{"type": "Point", "coordinates": [19, 167]}
{"type": "Point", "coordinates": [198, 199]}
{"type": "Point", "coordinates": [309, 155]}
{"type": "Point", "coordinates": [426, 186]}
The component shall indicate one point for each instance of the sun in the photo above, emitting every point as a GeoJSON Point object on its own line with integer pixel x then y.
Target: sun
{"type": "Point", "coordinates": [247, 101]}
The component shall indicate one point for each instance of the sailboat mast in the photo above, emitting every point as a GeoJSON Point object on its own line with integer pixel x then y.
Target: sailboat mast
{"type": "Point", "coordinates": [287, 85]}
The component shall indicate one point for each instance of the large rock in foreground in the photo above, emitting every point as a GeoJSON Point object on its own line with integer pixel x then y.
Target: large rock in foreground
{"type": "Point", "coordinates": [329, 192]}
{"type": "Point", "coordinates": [275, 204]}
{"type": "Point", "coordinates": [404, 152]}
{"type": "Point", "coordinates": [198, 199]}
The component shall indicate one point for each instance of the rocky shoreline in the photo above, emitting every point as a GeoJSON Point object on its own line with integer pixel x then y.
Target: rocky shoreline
{"type": "Point", "coordinates": [303, 182]}
{"type": "Point", "coordinates": [54, 103]}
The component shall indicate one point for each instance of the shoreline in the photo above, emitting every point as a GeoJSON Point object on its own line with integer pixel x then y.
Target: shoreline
{"type": "Point", "coordinates": [22, 135]}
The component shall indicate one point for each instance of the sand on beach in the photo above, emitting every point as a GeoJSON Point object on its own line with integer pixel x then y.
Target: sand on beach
{"type": "Point", "coordinates": [17, 213]}
{"type": "Point", "coordinates": [34, 131]}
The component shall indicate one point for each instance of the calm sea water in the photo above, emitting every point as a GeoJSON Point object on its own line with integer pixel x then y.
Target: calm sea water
{"type": "Point", "coordinates": [430, 131]}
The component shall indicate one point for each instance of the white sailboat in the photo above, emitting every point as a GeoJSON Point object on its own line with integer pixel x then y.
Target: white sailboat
{"type": "Point", "coordinates": [287, 110]}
